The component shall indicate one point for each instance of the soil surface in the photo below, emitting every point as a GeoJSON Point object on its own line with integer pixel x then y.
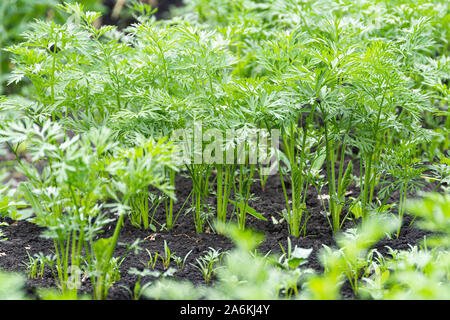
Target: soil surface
{"type": "Point", "coordinates": [24, 237]}
{"type": "Point", "coordinates": [123, 20]}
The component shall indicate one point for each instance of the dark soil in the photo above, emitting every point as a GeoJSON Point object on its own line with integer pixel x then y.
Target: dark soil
{"type": "Point", "coordinates": [25, 237]}
{"type": "Point", "coordinates": [163, 7]}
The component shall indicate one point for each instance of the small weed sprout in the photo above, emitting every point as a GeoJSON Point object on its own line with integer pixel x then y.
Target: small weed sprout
{"type": "Point", "coordinates": [152, 260]}
{"type": "Point", "coordinates": [207, 264]}
{"type": "Point", "coordinates": [37, 263]}
{"type": "Point", "coordinates": [32, 266]}
{"type": "Point", "coordinates": [167, 256]}
{"type": "Point", "coordinates": [181, 262]}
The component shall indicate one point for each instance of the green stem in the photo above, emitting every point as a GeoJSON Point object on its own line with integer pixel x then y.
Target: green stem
{"type": "Point", "coordinates": [286, 198]}
{"type": "Point", "coordinates": [367, 173]}
{"type": "Point", "coordinates": [59, 265]}
{"type": "Point", "coordinates": [73, 262]}
{"type": "Point", "coordinates": [402, 206]}
{"type": "Point", "coordinates": [52, 87]}
{"type": "Point", "coordinates": [100, 289]}
{"type": "Point", "coordinates": [249, 181]}
{"type": "Point", "coordinates": [220, 214]}
{"type": "Point", "coordinates": [171, 200]}
{"type": "Point", "coordinates": [331, 179]}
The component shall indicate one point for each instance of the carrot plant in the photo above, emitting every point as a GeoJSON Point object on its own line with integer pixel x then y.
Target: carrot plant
{"type": "Point", "coordinates": [353, 255]}
{"type": "Point", "coordinates": [200, 175]}
{"type": "Point", "coordinates": [358, 95]}
{"type": "Point", "coordinates": [224, 181]}
{"type": "Point", "coordinates": [421, 269]}
{"type": "Point", "coordinates": [16, 16]}
{"type": "Point", "coordinates": [139, 215]}
{"type": "Point", "coordinates": [242, 193]}
{"type": "Point", "coordinates": [344, 89]}
{"type": "Point", "coordinates": [68, 196]}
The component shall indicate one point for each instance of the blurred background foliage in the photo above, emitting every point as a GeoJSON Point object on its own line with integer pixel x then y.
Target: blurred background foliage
{"type": "Point", "coordinates": [16, 16]}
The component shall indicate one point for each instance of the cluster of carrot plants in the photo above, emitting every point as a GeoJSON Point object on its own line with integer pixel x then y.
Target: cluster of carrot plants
{"type": "Point", "coordinates": [348, 99]}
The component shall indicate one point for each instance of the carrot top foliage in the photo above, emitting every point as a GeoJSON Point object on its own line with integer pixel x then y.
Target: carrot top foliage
{"type": "Point", "coordinates": [347, 93]}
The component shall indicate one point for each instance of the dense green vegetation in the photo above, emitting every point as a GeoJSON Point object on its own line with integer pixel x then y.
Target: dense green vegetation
{"type": "Point", "coordinates": [354, 93]}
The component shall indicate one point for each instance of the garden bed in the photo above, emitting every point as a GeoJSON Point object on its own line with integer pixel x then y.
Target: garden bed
{"type": "Point", "coordinates": [26, 237]}
{"type": "Point", "coordinates": [135, 153]}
